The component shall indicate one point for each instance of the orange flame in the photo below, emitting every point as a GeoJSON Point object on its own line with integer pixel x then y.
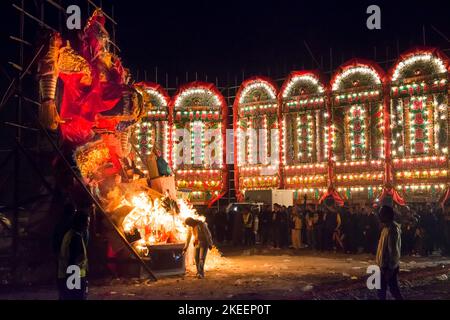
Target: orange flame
{"type": "Point", "coordinates": [154, 223]}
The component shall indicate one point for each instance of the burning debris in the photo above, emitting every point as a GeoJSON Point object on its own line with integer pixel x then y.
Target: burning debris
{"type": "Point", "coordinates": [156, 224]}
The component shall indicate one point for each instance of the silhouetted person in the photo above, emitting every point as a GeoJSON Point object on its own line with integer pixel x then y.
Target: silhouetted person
{"type": "Point", "coordinates": [255, 227]}
{"type": "Point", "coordinates": [429, 224]}
{"type": "Point", "coordinates": [331, 226]}
{"type": "Point", "coordinates": [247, 220]}
{"type": "Point", "coordinates": [296, 229]}
{"type": "Point", "coordinates": [221, 226]}
{"type": "Point", "coordinates": [441, 232]}
{"type": "Point", "coordinates": [318, 229]}
{"type": "Point", "coordinates": [408, 232]}
{"type": "Point", "coordinates": [238, 228]}
{"type": "Point", "coordinates": [352, 233]}
{"type": "Point", "coordinates": [309, 221]}
{"type": "Point", "coordinates": [284, 232]}
{"type": "Point", "coordinates": [276, 226]}
{"type": "Point", "coordinates": [346, 227]}
{"type": "Point", "coordinates": [372, 231]}
{"type": "Point", "coordinates": [266, 225]}
{"type": "Point", "coordinates": [63, 225]}
{"type": "Point", "coordinates": [73, 254]}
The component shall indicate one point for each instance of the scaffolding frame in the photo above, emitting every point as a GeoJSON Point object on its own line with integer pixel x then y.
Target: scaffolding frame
{"type": "Point", "coordinates": [15, 89]}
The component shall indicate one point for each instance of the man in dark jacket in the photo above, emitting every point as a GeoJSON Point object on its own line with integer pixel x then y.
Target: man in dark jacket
{"type": "Point", "coordinates": [388, 254]}
{"type": "Point", "coordinates": [372, 231]}
{"type": "Point", "coordinates": [429, 224]}
{"type": "Point", "coordinates": [275, 223]}
{"type": "Point", "coordinates": [63, 225]}
{"type": "Point", "coordinates": [409, 223]}
{"type": "Point", "coordinates": [266, 225]}
{"type": "Point", "coordinates": [347, 231]}
{"type": "Point", "coordinates": [318, 229]}
{"type": "Point", "coordinates": [331, 225]}
{"type": "Point", "coordinates": [283, 221]}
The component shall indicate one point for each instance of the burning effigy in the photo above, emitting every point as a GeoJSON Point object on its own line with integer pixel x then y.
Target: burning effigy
{"type": "Point", "coordinates": [99, 113]}
{"type": "Point", "coordinates": [153, 214]}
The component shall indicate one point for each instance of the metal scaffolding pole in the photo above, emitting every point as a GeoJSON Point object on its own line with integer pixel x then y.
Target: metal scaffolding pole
{"type": "Point", "coordinates": [18, 133]}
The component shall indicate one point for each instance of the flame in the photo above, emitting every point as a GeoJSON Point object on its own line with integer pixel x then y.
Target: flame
{"type": "Point", "coordinates": [154, 223]}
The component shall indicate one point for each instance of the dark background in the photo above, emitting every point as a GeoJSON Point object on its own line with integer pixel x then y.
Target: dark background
{"type": "Point", "coordinates": [173, 42]}
{"type": "Point", "coordinates": [231, 39]}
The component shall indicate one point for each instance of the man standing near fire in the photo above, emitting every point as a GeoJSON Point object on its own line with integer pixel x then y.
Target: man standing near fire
{"type": "Point", "coordinates": [202, 242]}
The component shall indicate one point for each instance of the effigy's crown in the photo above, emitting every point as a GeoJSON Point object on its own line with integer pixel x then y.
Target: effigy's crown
{"type": "Point", "coordinates": [97, 18]}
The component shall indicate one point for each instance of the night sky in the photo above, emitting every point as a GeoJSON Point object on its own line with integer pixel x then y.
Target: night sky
{"type": "Point", "coordinates": [228, 38]}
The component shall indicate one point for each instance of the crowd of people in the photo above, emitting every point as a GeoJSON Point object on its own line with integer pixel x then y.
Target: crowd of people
{"type": "Point", "coordinates": [350, 229]}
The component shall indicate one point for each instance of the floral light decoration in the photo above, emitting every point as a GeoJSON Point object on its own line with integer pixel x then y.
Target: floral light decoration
{"type": "Point", "coordinates": [366, 72]}
{"type": "Point", "coordinates": [358, 128]}
{"type": "Point", "coordinates": [419, 122]}
{"type": "Point", "coordinates": [428, 60]}
{"type": "Point", "coordinates": [153, 130]}
{"type": "Point", "coordinates": [304, 136]}
{"type": "Point", "coordinates": [257, 141]}
{"type": "Point", "coordinates": [197, 141]}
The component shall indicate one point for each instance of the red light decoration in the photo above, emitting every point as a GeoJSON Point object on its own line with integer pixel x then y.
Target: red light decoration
{"type": "Point", "coordinates": [255, 121]}
{"type": "Point", "coordinates": [200, 109]}
{"type": "Point", "coordinates": [304, 132]}
{"type": "Point", "coordinates": [154, 129]}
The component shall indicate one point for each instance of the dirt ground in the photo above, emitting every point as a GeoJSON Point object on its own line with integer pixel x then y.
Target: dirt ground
{"type": "Point", "coordinates": [273, 274]}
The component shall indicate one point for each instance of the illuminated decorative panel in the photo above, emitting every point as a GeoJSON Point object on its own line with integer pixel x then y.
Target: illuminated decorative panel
{"type": "Point", "coordinates": [358, 128]}
{"type": "Point", "coordinates": [152, 131]}
{"type": "Point", "coordinates": [257, 138]}
{"type": "Point", "coordinates": [304, 122]}
{"type": "Point", "coordinates": [419, 122]}
{"type": "Point", "coordinates": [197, 149]}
